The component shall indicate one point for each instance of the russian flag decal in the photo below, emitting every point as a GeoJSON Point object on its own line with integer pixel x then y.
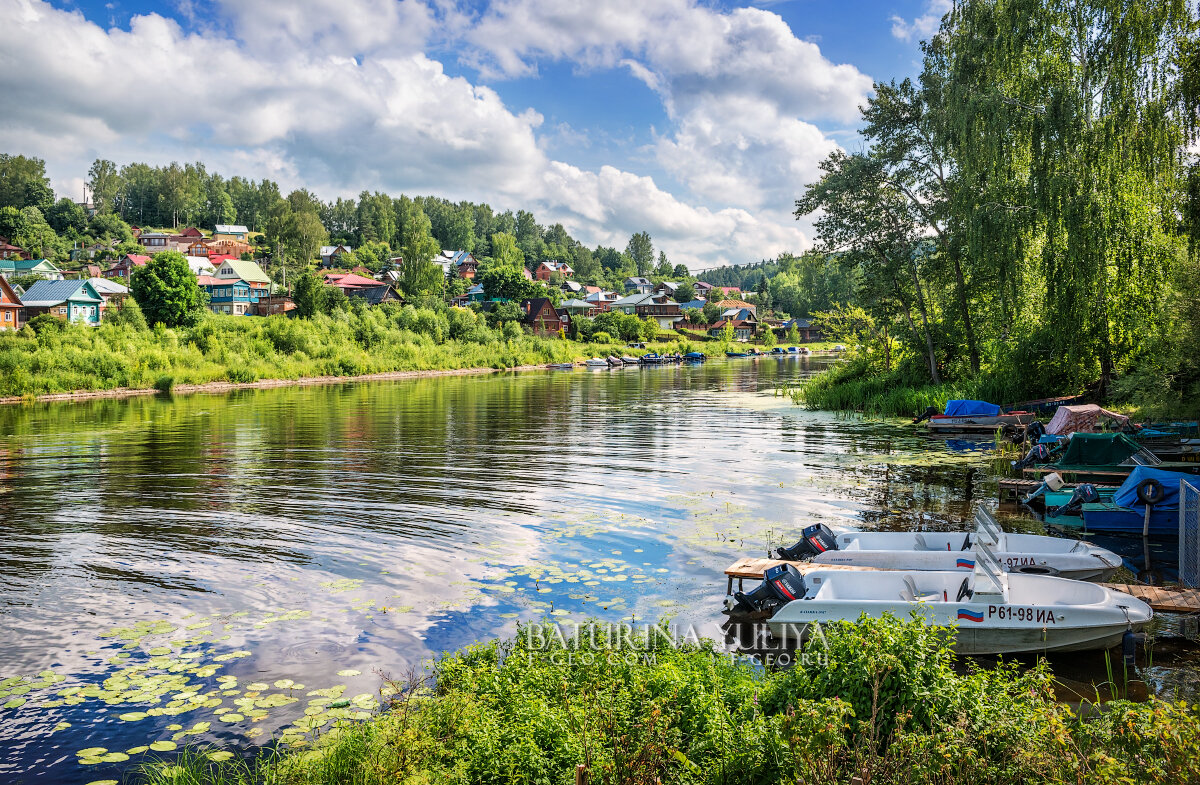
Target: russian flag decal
{"type": "Point", "coordinates": [965, 564]}
{"type": "Point", "coordinates": [970, 615]}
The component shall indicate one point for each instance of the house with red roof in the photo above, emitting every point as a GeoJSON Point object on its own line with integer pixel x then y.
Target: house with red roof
{"type": "Point", "coordinates": [123, 268]}
{"type": "Point", "coordinates": [547, 269]}
{"type": "Point", "coordinates": [355, 285]}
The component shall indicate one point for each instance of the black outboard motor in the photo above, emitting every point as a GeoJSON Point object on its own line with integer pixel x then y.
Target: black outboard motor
{"type": "Point", "coordinates": [929, 412]}
{"type": "Point", "coordinates": [1039, 453]}
{"type": "Point", "coordinates": [814, 540]}
{"type": "Point", "coordinates": [1085, 493]}
{"type": "Point", "coordinates": [781, 584]}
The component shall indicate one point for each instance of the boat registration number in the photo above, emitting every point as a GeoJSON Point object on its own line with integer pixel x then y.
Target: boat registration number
{"type": "Point", "coordinates": [1020, 561]}
{"type": "Point", "coordinates": [1021, 613]}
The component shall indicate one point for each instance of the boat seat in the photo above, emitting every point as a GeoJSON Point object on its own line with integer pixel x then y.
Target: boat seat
{"type": "Point", "coordinates": [910, 593]}
{"type": "Point", "coordinates": [921, 545]}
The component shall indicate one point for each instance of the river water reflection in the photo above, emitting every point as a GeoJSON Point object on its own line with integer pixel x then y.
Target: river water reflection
{"type": "Point", "coordinates": [179, 571]}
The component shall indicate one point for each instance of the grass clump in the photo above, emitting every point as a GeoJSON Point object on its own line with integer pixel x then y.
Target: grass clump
{"type": "Point", "coordinates": [881, 697]}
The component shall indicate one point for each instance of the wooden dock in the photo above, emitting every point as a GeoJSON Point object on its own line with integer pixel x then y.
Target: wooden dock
{"type": "Point", "coordinates": [1162, 599]}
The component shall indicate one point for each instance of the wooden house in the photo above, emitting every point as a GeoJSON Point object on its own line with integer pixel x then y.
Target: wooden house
{"type": "Point", "coordinates": [12, 310]}
{"type": "Point", "coordinates": [541, 317]}
{"type": "Point", "coordinates": [72, 301]}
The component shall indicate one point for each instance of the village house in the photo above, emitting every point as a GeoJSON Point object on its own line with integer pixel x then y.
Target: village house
{"type": "Point", "coordinates": [599, 299]}
{"type": "Point", "coordinates": [153, 242]}
{"type": "Point", "coordinates": [12, 310]}
{"type": "Point", "coordinates": [638, 285]}
{"type": "Point", "coordinates": [72, 301]}
{"type": "Point", "coordinates": [123, 268]}
{"type": "Point", "coordinates": [549, 268]}
{"type": "Point", "coordinates": [726, 305]}
{"type": "Point", "coordinates": [43, 268]}
{"type": "Point", "coordinates": [231, 232]}
{"type": "Point", "coordinates": [666, 287]}
{"type": "Point", "coordinates": [233, 295]}
{"type": "Point", "coordinates": [354, 285]}
{"type": "Point", "coordinates": [460, 263]}
{"type": "Point", "coordinates": [742, 330]}
{"type": "Point", "coordinates": [277, 304]}
{"type": "Point", "coordinates": [248, 271]}
{"type": "Point", "coordinates": [541, 317]}
{"type": "Point", "coordinates": [659, 307]}
{"type": "Point", "coordinates": [330, 254]}
{"type": "Point", "coordinates": [200, 265]}
{"type": "Point", "coordinates": [805, 328]}
{"type": "Point", "coordinates": [192, 233]}
{"type": "Point", "coordinates": [702, 288]}
{"type": "Point", "coordinates": [575, 307]}
{"type": "Point", "coordinates": [197, 248]}
{"type": "Point", "coordinates": [112, 293]}
{"type": "Point", "coordinates": [10, 251]}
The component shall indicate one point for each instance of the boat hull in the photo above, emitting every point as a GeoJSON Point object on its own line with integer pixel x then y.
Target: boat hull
{"type": "Point", "coordinates": [941, 422]}
{"type": "Point", "coordinates": [1029, 553]}
{"type": "Point", "coordinates": [1035, 614]}
{"type": "Point", "coordinates": [1112, 519]}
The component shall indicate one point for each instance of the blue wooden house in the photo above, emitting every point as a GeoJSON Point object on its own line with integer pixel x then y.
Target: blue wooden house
{"type": "Point", "coordinates": [234, 296]}
{"type": "Point", "coordinates": [72, 301]}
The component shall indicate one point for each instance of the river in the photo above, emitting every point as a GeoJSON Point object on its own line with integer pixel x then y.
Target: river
{"type": "Point", "coordinates": [179, 570]}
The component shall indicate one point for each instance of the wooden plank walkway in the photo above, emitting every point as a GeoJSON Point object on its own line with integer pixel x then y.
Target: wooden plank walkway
{"type": "Point", "coordinates": [1161, 598]}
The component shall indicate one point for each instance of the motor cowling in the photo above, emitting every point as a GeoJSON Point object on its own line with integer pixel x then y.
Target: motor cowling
{"type": "Point", "coordinates": [1084, 493]}
{"type": "Point", "coordinates": [814, 540]}
{"type": "Point", "coordinates": [781, 584]}
{"type": "Point", "coordinates": [925, 415]}
{"type": "Point", "coordinates": [1039, 453]}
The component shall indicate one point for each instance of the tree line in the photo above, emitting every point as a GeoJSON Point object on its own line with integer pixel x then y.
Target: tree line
{"type": "Point", "coordinates": [1026, 209]}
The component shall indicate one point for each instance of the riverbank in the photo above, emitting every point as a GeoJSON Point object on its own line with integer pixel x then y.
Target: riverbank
{"type": "Point", "coordinates": [854, 386]}
{"type": "Point", "coordinates": [75, 362]}
{"type": "Point", "coordinates": [883, 700]}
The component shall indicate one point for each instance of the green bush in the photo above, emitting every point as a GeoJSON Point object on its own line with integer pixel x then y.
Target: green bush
{"type": "Point", "coordinates": [882, 696]}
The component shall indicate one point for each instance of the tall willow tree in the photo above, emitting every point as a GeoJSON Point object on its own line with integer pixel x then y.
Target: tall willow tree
{"type": "Point", "coordinates": [1067, 126]}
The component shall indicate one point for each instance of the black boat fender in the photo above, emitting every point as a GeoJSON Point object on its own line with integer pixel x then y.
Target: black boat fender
{"type": "Point", "coordinates": [1150, 491]}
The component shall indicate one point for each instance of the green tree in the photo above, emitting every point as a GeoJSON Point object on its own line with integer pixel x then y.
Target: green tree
{"type": "Point", "coordinates": [506, 252]}
{"type": "Point", "coordinates": [768, 336]}
{"type": "Point", "coordinates": [309, 294]}
{"type": "Point", "coordinates": [167, 291]}
{"type": "Point", "coordinates": [104, 181]}
{"type": "Point", "coordinates": [65, 215]}
{"type": "Point", "coordinates": [641, 250]}
{"type": "Point", "coordinates": [505, 282]}
{"type": "Point", "coordinates": [685, 293]}
{"type": "Point", "coordinates": [23, 183]}
{"type": "Point", "coordinates": [419, 275]}
{"type": "Point", "coordinates": [650, 328]}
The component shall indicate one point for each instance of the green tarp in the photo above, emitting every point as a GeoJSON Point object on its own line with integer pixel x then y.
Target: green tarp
{"type": "Point", "coordinates": [1098, 449]}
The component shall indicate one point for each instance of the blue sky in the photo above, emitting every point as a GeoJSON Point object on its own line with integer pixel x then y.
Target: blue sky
{"type": "Point", "coordinates": [698, 123]}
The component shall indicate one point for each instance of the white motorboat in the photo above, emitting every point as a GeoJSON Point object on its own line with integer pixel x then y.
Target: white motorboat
{"type": "Point", "coordinates": [596, 362]}
{"type": "Point", "coordinates": [1025, 553]}
{"type": "Point", "coordinates": [994, 612]}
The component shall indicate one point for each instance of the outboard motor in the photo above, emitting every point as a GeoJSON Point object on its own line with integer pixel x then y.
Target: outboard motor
{"type": "Point", "coordinates": [814, 540]}
{"type": "Point", "coordinates": [781, 584]}
{"type": "Point", "coordinates": [1039, 453]}
{"type": "Point", "coordinates": [1085, 493]}
{"type": "Point", "coordinates": [929, 412]}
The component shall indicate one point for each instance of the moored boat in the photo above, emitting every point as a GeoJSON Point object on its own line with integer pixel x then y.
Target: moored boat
{"type": "Point", "coordinates": [629, 360]}
{"type": "Point", "coordinates": [596, 362]}
{"type": "Point", "coordinates": [965, 415]}
{"type": "Point", "coordinates": [560, 366]}
{"type": "Point", "coordinates": [737, 354]}
{"type": "Point", "coordinates": [695, 357]}
{"type": "Point", "coordinates": [953, 551]}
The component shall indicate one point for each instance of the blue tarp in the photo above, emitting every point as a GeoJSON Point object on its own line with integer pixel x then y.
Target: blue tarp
{"type": "Point", "coordinates": [967, 408]}
{"type": "Point", "coordinates": [1126, 495]}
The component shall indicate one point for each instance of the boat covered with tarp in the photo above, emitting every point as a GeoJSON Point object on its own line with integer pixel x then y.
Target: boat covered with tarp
{"type": "Point", "coordinates": [1101, 457]}
{"type": "Point", "coordinates": [1146, 487]}
{"type": "Point", "coordinates": [1082, 418]}
{"type": "Point", "coordinates": [969, 415]}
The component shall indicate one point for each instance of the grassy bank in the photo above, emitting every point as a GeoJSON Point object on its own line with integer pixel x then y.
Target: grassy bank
{"type": "Point", "coordinates": [244, 349]}
{"type": "Point", "coordinates": [886, 699]}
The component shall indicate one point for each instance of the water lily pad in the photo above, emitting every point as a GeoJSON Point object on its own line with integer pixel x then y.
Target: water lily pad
{"type": "Point", "coordinates": [114, 757]}
{"type": "Point", "coordinates": [132, 716]}
{"type": "Point", "coordinates": [15, 703]}
{"type": "Point", "coordinates": [220, 755]}
{"type": "Point", "coordinates": [103, 782]}
{"type": "Point", "coordinates": [138, 750]}
{"type": "Point", "coordinates": [232, 717]}
{"type": "Point", "coordinates": [61, 726]}
{"type": "Point", "coordinates": [258, 686]}
{"type": "Point", "coordinates": [254, 733]}
{"type": "Point", "coordinates": [92, 752]}
{"type": "Point", "coordinates": [284, 684]}
{"type": "Point", "coordinates": [163, 746]}
{"type": "Point", "coordinates": [349, 672]}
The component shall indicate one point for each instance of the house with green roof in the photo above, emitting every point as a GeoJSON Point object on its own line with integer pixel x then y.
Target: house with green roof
{"type": "Point", "coordinates": [246, 270]}
{"type": "Point", "coordinates": [40, 267]}
{"type": "Point", "coordinates": [72, 301]}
